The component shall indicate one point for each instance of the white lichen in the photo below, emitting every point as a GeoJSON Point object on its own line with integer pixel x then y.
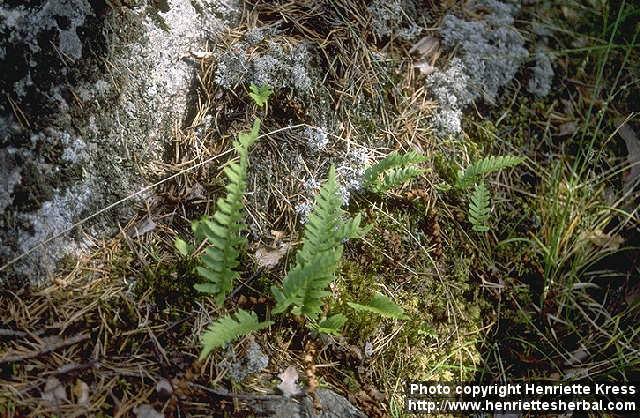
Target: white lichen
{"type": "Point", "coordinates": [317, 138]}
{"type": "Point", "coordinates": [277, 66]}
{"type": "Point", "coordinates": [394, 18]}
{"type": "Point", "coordinates": [490, 53]}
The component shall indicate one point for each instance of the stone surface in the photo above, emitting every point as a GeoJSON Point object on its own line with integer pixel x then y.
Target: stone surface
{"type": "Point", "coordinates": [89, 95]}
{"type": "Point", "coordinates": [332, 406]}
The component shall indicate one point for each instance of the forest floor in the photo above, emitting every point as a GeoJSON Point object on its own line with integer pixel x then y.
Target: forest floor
{"type": "Point", "coordinates": [551, 291]}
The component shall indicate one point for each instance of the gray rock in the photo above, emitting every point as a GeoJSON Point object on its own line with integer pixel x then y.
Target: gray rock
{"type": "Point", "coordinates": [332, 406]}
{"type": "Point", "coordinates": [491, 51]}
{"type": "Point", "coordinates": [253, 361]}
{"type": "Point", "coordinates": [93, 95]}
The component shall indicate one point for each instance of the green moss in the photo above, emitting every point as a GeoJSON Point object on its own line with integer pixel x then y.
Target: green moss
{"type": "Point", "coordinates": [354, 285]}
{"type": "Point", "coordinates": [171, 285]}
{"type": "Point", "coordinates": [485, 133]}
{"type": "Point", "coordinates": [444, 314]}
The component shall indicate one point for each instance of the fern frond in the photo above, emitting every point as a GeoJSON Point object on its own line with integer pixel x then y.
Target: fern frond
{"type": "Point", "coordinates": [486, 165]}
{"type": "Point", "coordinates": [331, 325]}
{"type": "Point", "coordinates": [305, 285]}
{"type": "Point", "coordinates": [480, 208]}
{"type": "Point", "coordinates": [392, 171]}
{"type": "Point", "coordinates": [223, 230]}
{"type": "Point", "coordinates": [228, 328]}
{"type": "Point", "coordinates": [381, 305]}
{"type": "Point", "coordinates": [260, 94]}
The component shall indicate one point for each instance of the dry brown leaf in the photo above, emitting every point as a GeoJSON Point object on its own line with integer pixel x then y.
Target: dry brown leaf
{"type": "Point", "coordinates": [81, 392]}
{"type": "Point", "coordinates": [143, 227]}
{"type": "Point", "coordinates": [426, 47]}
{"type": "Point", "coordinates": [600, 239]}
{"type": "Point", "coordinates": [196, 192]}
{"type": "Point", "coordinates": [568, 128]}
{"type": "Point", "coordinates": [577, 356]}
{"type": "Point", "coordinates": [146, 411]}
{"type": "Point", "coordinates": [424, 67]}
{"type": "Point", "coordinates": [277, 235]}
{"type": "Point", "coordinates": [54, 392]}
{"type": "Point", "coordinates": [427, 50]}
{"type": "Point", "coordinates": [164, 388]}
{"type": "Point", "coordinates": [268, 258]}
{"type": "Point", "coordinates": [289, 385]}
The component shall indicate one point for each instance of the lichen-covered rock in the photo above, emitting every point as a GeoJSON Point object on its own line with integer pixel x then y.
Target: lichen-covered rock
{"type": "Point", "coordinates": [253, 361]}
{"type": "Point", "coordinates": [278, 66]}
{"type": "Point", "coordinates": [491, 51]}
{"type": "Point", "coordinates": [89, 95]}
{"type": "Point", "coordinates": [394, 17]}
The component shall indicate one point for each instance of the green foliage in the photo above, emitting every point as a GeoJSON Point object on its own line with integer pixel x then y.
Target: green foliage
{"type": "Point", "coordinates": [305, 285]}
{"type": "Point", "coordinates": [331, 325]}
{"type": "Point", "coordinates": [223, 230]}
{"type": "Point", "coordinates": [182, 247]}
{"type": "Point", "coordinates": [480, 208]}
{"type": "Point", "coordinates": [381, 305]}
{"type": "Point", "coordinates": [228, 328]}
{"type": "Point", "coordinates": [393, 171]}
{"type": "Point", "coordinates": [477, 170]}
{"type": "Point", "coordinates": [260, 94]}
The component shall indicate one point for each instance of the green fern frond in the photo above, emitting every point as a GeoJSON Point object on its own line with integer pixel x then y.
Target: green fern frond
{"type": "Point", "coordinates": [228, 328]}
{"type": "Point", "coordinates": [305, 285]}
{"type": "Point", "coordinates": [331, 325]}
{"type": "Point", "coordinates": [381, 305]}
{"type": "Point", "coordinates": [260, 94]}
{"type": "Point", "coordinates": [480, 208]}
{"type": "Point", "coordinates": [475, 171]}
{"type": "Point", "coordinates": [393, 171]}
{"type": "Point", "coordinates": [223, 230]}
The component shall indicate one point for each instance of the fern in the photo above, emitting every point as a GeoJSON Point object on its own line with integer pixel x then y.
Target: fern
{"type": "Point", "coordinates": [260, 94]}
{"type": "Point", "coordinates": [381, 305]}
{"type": "Point", "coordinates": [393, 171]}
{"type": "Point", "coordinates": [475, 171]}
{"type": "Point", "coordinates": [223, 230]}
{"type": "Point", "coordinates": [227, 329]}
{"type": "Point", "coordinates": [331, 325]}
{"type": "Point", "coordinates": [479, 208]}
{"type": "Point", "coordinates": [305, 285]}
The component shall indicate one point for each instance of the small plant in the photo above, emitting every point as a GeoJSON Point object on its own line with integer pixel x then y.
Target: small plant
{"type": "Point", "coordinates": [331, 325]}
{"type": "Point", "coordinates": [182, 247]}
{"type": "Point", "coordinates": [393, 171]}
{"type": "Point", "coordinates": [381, 305]}
{"type": "Point", "coordinates": [480, 208]}
{"type": "Point", "coordinates": [476, 171]}
{"type": "Point", "coordinates": [480, 199]}
{"type": "Point", "coordinates": [260, 94]}
{"type": "Point", "coordinates": [228, 328]}
{"type": "Point", "coordinates": [305, 285]}
{"type": "Point", "coordinates": [223, 230]}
